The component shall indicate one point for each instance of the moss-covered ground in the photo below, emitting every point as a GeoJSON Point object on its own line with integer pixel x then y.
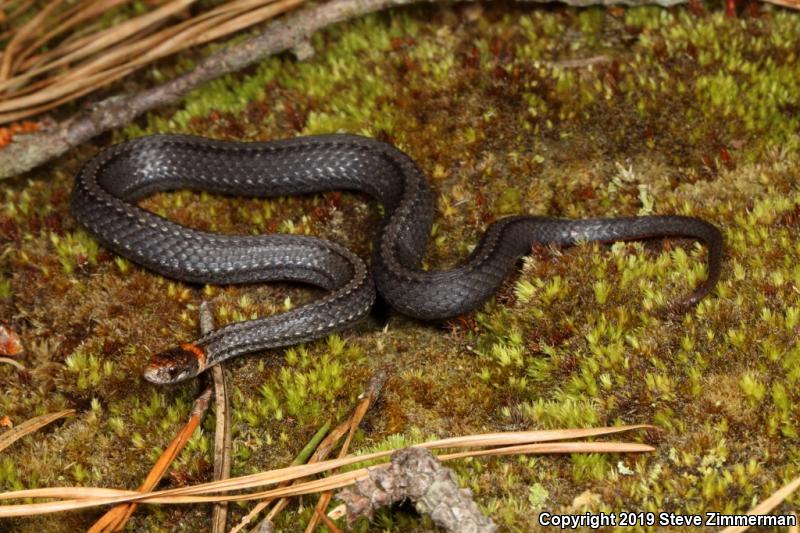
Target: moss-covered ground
{"type": "Point", "coordinates": [555, 111]}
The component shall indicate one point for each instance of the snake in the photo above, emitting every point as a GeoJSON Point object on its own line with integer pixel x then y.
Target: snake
{"type": "Point", "coordinates": [108, 187]}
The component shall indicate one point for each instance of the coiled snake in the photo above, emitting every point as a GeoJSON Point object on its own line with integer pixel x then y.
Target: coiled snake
{"type": "Point", "coordinates": [107, 187]}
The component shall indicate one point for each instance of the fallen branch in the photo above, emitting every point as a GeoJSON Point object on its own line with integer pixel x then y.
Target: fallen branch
{"type": "Point", "coordinates": [29, 151]}
{"type": "Point", "coordinates": [415, 474]}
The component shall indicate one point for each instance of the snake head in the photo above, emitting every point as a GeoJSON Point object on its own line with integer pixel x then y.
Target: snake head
{"type": "Point", "coordinates": [176, 364]}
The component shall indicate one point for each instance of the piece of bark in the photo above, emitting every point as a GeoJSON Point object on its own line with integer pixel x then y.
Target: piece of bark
{"type": "Point", "coordinates": [417, 475]}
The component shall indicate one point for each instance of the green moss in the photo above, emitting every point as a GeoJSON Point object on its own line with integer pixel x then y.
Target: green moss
{"type": "Point", "coordinates": [690, 114]}
{"type": "Point", "coordinates": [306, 382]}
{"type": "Point", "coordinates": [88, 370]}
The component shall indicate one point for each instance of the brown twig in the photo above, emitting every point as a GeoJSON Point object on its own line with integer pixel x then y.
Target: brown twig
{"type": "Point", "coordinates": [222, 432]}
{"type": "Point", "coordinates": [30, 151]}
{"type": "Point", "coordinates": [222, 446]}
{"type": "Point", "coordinates": [330, 524]}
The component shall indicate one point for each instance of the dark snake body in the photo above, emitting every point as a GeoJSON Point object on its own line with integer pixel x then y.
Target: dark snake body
{"type": "Point", "coordinates": [108, 186]}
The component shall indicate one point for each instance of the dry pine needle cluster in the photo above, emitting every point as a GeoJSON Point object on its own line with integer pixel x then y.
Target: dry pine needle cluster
{"type": "Point", "coordinates": [57, 52]}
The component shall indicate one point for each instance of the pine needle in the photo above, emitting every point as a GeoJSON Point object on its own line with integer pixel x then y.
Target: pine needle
{"type": "Point", "coordinates": [116, 518]}
{"type": "Point", "coordinates": [50, 61]}
{"type": "Point", "coordinates": [768, 505]}
{"type": "Point", "coordinates": [369, 397]}
{"type": "Point", "coordinates": [303, 457]}
{"type": "Point", "coordinates": [530, 442]}
{"type": "Point", "coordinates": [29, 426]}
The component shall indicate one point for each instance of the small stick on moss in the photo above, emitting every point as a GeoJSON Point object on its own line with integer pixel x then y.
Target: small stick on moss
{"type": "Point", "coordinates": [583, 62]}
{"type": "Point", "coordinates": [368, 398]}
{"type": "Point", "coordinates": [222, 446]}
{"type": "Point", "coordinates": [417, 475]}
{"type": "Point", "coordinates": [222, 432]}
{"type": "Point", "coordinates": [29, 426]}
{"type": "Point", "coordinates": [117, 517]}
{"type": "Point", "coordinates": [330, 524]}
{"type": "Point", "coordinates": [302, 458]}
{"type": "Point", "coordinates": [792, 4]}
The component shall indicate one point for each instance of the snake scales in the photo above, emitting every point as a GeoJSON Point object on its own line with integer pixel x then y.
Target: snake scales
{"type": "Point", "coordinates": [108, 186]}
